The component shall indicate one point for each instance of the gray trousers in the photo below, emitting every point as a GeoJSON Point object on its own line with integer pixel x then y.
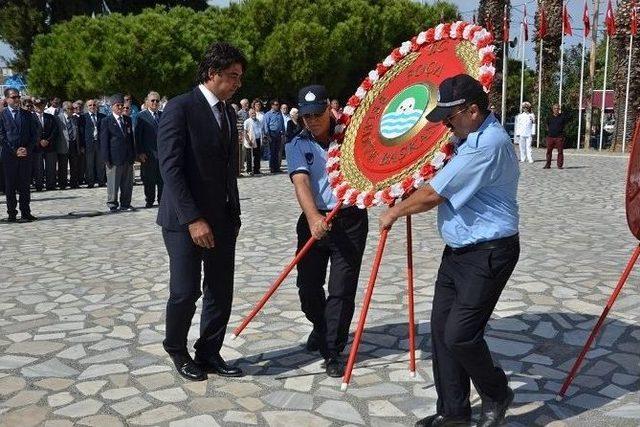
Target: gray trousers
{"type": "Point", "coordinates": [95, 168]}
{"type": "Point", "coordinates": [119, 178]}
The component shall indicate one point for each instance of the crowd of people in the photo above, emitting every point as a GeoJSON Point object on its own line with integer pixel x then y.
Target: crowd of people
{"type": "Point", "coordinates": [57, 145]}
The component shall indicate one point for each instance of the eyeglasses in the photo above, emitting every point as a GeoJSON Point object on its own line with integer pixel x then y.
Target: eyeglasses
{"type": "Point", "coordinates": [233, 76]}
{"type": "Point", "coordinates": [126, 108]}
{"type": "Point", "coordinates": [312, 116]}
{"type": "Point", "coordinates": [448, 118]}
{"type": "Point", "coordinates": [154, 100]}
{"type": "Point", "coordinates": [14, 97]}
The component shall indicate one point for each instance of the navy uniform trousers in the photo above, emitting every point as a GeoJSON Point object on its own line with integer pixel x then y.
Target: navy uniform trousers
{"type": "Point", "coordinates": [344, 246]}
{"type": "Point", "coordinates": [469, 283]}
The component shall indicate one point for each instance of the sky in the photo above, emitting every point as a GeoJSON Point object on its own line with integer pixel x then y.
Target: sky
{"type": "Point", "coordinates": [469, 7]}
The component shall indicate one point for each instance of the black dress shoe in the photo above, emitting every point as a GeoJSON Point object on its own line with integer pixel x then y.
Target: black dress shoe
{"type": "Point", "coordinates": [217, 365]}
{"type": "Point", "coordinates": [12, 218]}
{"type": "Point", "coordinates": [334, 367]}
{"type": "Point", "coordinates": [148, 205]}
{"type": "Point", "coordinates": [312, 342]}
{"type": "Point", "coordinates": [188, 369]}
{"type": "Point", "coordinates": [493, 412]}
{"type": "Point", "coordinates": [438, 420]}
{"type": "Point", "coordinates": [28, 217]}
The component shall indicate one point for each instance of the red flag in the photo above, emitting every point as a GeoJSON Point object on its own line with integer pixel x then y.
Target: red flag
{"type": "Point", "coordinates": [542, 25]}
{"type": "Point", "coordinates": [610, 20]}
{"type": "Point", "coordinates": [586, 21]}
{"type": "Point", "coordinates": [505, 26]}
{"type": "Point", "coordinates": [524, 23]}
{"type": "Point", "coordinates": [634, 19]}
{"type": "Point", "coordinates": [566, 22]}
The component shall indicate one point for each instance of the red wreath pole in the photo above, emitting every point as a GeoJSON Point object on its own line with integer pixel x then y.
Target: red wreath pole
{"type": "Point", "coordinates": [412, 324]}
{"type": "Point", "coordinates": [282, 276]}
{"type": "Point", "coordinates": [365, 308]}
{"type": "Point", "coordinates": [596, 329]}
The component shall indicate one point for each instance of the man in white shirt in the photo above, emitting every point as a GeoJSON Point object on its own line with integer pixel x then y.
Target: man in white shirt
{"type": "Point", "coordinates": [524, 129]}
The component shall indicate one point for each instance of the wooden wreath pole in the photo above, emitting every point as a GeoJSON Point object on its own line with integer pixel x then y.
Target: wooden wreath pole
{"type": "Point", "coordinates": [365, 308]}
{"type": "Point", "coordinates": [283, 276]}
{"type": "Point", "coordinates": [596, 329]}
{"type": "Point", "coordinates": [412, 325]}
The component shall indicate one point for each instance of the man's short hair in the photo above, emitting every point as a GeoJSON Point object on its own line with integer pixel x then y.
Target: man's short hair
{"type": "Point", "coordinates": [218, 57]}
{"type": "Point", "coordinates": [66, 104]}
{"type": "Point", "coordinates": [151, 93]}
{"type": "Point", "coordinates": [9, 90]}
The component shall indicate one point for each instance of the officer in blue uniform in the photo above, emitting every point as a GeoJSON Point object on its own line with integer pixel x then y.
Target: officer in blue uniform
{"type": "Point", "coordinates": [342, 242]}
{"type": "Point", "coordinates": [478, 219]}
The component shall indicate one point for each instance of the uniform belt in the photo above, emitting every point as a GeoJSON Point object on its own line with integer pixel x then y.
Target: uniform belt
{"type": "Point", "coordinates": [344, 211]}
{"type": "Point", "coordinates": [490, 244]}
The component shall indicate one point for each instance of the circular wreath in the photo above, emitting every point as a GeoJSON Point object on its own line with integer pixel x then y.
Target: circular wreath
{"type": "Point", "coordinates": [482, 41]}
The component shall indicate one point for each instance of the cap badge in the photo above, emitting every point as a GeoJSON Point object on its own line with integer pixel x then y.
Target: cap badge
{"type": "Point", "coordinates": [310, 97]}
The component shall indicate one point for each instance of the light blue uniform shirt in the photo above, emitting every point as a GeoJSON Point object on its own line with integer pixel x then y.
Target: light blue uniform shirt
{"type": "Point", "coordinates": [480, 184]}
{"type": "Point", "coordinates": [306, 155]}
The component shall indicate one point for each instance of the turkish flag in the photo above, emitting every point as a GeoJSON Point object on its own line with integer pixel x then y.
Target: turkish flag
{"type": "Point", "coordinates": [542, 27]}
{"type": "Point", "coordinates": [566, 22]}
{"type": "Point", "coordinates": [526, 26]}
{"type": "Point", "coordinates": [634, 19]}
{"type": "Point", "coordinates": [586, 21]}
{"type": "Point", "coordinates": [610, 20]}
{"type": "Point", "coordinates": [505, 26]}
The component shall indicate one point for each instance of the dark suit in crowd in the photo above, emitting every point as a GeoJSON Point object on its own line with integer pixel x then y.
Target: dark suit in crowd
{"type": "Point", "coordinates": [21, 131]}
{"type": "Point", "coordinates": [117, 148]}
{"type": "Point", "coordinates": [95, 172]}
{"type": "Point", "coordinates": [45, 158]}
{"type": "Point", "coordinates": [198, 164]}
{"type": "Point", "coordinates": [66, 148]}
{"type": "Point", "coordinates": [147, 143]}
{"type": "Point", "coordinates": [76, 151]}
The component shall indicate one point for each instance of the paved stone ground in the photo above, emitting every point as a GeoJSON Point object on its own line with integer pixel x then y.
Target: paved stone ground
{"type": "Point", "coordinates": [82, 316]}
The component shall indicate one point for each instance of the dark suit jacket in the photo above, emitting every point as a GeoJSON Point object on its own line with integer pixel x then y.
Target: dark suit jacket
{"type": "Point", "coordinates": [49, 131]}
{"type": "Point", "coordinates": [21, 132]}
{"type": "Point", "coordinates": [116, 145]}
{"type": "Point", "coordinates": [146, 133]}
{"type": "Point", "coordinates": [86, 129]}
{"type": "Point", "coordinates": [198, 169]}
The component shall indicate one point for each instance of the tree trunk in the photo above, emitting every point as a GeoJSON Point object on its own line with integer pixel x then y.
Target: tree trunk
{"type": "Point", "coordinates": [621, 43]}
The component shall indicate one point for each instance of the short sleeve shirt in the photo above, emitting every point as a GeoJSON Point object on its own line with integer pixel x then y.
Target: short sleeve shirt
{"type": "Point", "coordinates": [306, 155]}
{"type": "Point", "coordinates": [480, 185]}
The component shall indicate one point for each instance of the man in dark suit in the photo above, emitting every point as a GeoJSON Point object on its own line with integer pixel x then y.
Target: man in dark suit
{"type": "Point", "coordinates": [44, 155]}
{"type": "Point", "coordinates": [18, 136]}
{"type": "Point", "coordinates": [95, 171]}
{"type": "Point", "coordinates": [117, 148]}
{"type": "Point", "coordinates": [200, 210]}
{"type": "Point", "coordinates": [147, 148]}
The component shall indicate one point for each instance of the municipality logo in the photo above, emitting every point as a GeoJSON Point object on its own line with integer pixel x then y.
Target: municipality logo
{"type": "Point", "coordinates": [404, 111]}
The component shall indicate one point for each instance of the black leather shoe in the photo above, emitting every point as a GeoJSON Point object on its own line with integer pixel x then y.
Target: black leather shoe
{"type": "Point", "coordinates": [28, 217]}
{"type": "Point", "coordinates": [312, 342]}
{"type": "Point", "coordinates": [493, 412]}
{"type": "Point", "coordinates": [334, 367]}
{"type": "Point", "coordinates": [217, 365]}
{"type": "Point", "coordinates": [438, 420]}
{"type": "Point", "coordinates": [188, 369]}
{"type": "Point", "coordinates": [12, 218]}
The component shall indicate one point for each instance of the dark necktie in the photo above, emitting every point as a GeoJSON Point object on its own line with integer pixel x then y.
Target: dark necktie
{"type": "Point", "coordinates": [72, 137]}
{"type": "Point", "coordinates": [155, 116]}
{"type": "Point", "coordinates": [224, 126]}
{"type": "Point", "coordinates": [121, 122]}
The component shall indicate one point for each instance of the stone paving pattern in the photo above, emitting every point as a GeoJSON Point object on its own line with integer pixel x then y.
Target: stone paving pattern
{"type": "Point", "coordinates": [82, 316]}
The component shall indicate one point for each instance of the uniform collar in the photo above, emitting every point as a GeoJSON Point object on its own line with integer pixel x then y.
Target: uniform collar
{"type": "Point", "coordinates": [473, 137]}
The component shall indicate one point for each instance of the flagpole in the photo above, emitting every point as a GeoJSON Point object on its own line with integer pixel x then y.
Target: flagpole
{"type": "Point", "coordinates": [505, 41]}
{"type": "Point", "coordinates": [604, 92]}
{"type": "Point", "coordinates": [539, 94]}
{"type": "Point", "coordinates": [626, 99]}
{"type": "Point", "coordinates": [561, 66]}
{"type": "Point", "coordinates": [521, 66]}
{"type": "Point", "coordinates": [584, 42]}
